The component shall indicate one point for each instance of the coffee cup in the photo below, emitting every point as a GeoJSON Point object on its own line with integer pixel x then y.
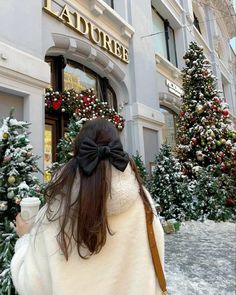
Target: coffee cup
{"type": "Point", "coordinates": [29, 209]}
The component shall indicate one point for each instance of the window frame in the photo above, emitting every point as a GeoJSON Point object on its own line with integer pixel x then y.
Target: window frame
{"type": "Point", "coordinates": [166, 32]}
{"type": "Point", "coordinates": [112, 3]}
{"type": "Point", "coordinates": [175, 116]}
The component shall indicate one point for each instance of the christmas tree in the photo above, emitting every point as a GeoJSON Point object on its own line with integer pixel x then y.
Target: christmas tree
{"type": "Point", "coordinates": [141, 167]}
{"type": "Point", "coordinates": [209, 194]}
{"type": "Point", "coordinates": [205, 135]}
{"type": "Point", "coordinates": [169, 187]}
{"type": "Point", "coordinates": [17, 181]}
{"type": "Point", "coordinates": [65, 145]}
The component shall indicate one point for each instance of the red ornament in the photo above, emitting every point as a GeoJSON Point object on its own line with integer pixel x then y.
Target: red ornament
{"type": "Point", "coordinates": [56, 104]}
{"type": "Point", "coordinates": [194, 140]}
{"type": "Point", "coordinates": [223, 167]}
{"type": "Point", "coordinates": [225, 112]}
{"type": "Point", "coordinates": [116, 119]}
{"type": "Point", "coordinates": [229, 202]}
{"type": "Point", "coordinates": [216, 99]}
{"type": "Point", "coordinates": [218, 159]}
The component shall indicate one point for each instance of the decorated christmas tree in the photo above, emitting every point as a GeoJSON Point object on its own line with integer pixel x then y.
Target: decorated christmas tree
{"type": "Point", "coordinates": [141, 167]}
{"type": "Point", "coordinates": [205, 134]}
{"type": "Point", "coordinates": [169, 187]}
{"type": "Point", "coordinates": [64, 147]}
{"type": "Point", "coordinates": [17, 181]}
{"type": "Point", "coordinates": [210, 195]}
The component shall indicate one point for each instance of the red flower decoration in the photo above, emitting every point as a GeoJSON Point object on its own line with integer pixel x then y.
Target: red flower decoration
{"type": "Point", "coordinates": [225, 112]}
{"type": "Point", "coordinates": [116, 119]}
{"type": "Point", "coordinates": [56, 104]}
{"type": "Point", "coordinates": [85, 100]}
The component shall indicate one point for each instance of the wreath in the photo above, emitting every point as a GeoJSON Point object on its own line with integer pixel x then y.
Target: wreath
{"type": "Point", "coordinates": [84, 105]}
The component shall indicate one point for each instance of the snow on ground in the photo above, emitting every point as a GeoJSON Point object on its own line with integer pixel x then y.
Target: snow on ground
{"type": "Point", "coordinates": [201, 259]}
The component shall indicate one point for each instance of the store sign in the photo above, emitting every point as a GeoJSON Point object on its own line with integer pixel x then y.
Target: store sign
{"type": "Point", "coordinates": [87, 29]}
{"type": "Point", "coordinates": [173, 88]}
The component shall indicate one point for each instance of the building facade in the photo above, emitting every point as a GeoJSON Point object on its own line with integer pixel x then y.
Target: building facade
{"type": "Point", "coordinates": [130, 52]}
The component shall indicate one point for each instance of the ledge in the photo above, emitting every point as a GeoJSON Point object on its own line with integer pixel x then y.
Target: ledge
{"type": "Point", "coordinates": [99, 7]}
{"type": "Point", "coordinates": [28, 68]}
{"type": "Point", "coordinates": [170, 101]}
{"type": "Point", "coordinates": [201, 40]}
{"type": "Point", "coordinates": [145, 113]}
{"type": "Point", "coordinates": [165, 64]}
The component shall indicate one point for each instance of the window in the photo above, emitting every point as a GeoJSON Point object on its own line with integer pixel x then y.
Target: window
{"type": "Point", "coordinates": [109, 2]}
{"type": "Point", "coordinates": [65, 75]}
{"type": "Point", "coordinates": [164, 40]}
{"type": "Point", "coordinates": [196, 23]}
{"type": "Point", "coordinates": [169, 130]}
{"type": "Point", "coordinates": [79, 78]}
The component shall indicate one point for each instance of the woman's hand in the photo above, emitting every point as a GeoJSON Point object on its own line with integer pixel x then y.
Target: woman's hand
{"type": "Point", "coordinates": [22, 227]}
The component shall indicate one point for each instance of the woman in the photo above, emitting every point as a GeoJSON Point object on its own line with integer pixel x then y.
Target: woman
{"type": "Point", "coordinates": [91, 237]}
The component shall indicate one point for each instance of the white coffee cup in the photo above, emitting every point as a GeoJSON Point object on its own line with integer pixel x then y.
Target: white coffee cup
{"type": "Point", "coordinates": [29, 209]}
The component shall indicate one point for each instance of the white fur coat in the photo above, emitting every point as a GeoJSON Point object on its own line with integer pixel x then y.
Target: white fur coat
{"type": "Point", "coordinates": [123, 267]}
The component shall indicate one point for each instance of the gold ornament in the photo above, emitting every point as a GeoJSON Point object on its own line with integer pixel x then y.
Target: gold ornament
{"type": "Point", "coordinates": [199, 109]}
{"type": "Point", "coordinates": [11, 179]}
{"type": "Point", "coordinates": [5, 135]}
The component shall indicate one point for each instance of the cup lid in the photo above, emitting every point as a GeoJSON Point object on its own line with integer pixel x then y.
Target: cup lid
{"type": "Point", "coordinates": [30, 201]}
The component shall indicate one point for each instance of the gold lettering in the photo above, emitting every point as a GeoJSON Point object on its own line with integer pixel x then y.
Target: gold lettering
{"type": "Point", "coordinates": [48, 5]}
{"type": "Point", "coordinates": [125, 55]}
{"type": "Point", "coordinates": [48, 8]}
{"type": "Point", "coordinates": [65, 15]}
{"type": "Point", "coordinates": [92, 30]}
{"type": "Point", "coordinates": [81, 24]}
{"type": "Point", "coordinates": [106, 42]}
{"type": "Point", "coordinates": [117, 48]}
{"type": "Point", "coordinates": [84, 27]}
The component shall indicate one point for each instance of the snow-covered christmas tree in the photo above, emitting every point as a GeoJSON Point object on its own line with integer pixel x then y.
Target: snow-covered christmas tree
{"type": "Point", "coordinates": [209, 195]}
{"type": "Point", "coordinates": [169, 187]}
{"type": "Point", "coordinates": [205, 135]}
{"type": "Point", "coordinates": [17, 181]}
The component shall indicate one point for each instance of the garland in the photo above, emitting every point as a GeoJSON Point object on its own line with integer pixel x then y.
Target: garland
{"type": "Point", "coordinates": [82, 106]}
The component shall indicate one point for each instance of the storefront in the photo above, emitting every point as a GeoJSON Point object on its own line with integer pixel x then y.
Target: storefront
{"type": "Point", "coordinates": [129, 52]}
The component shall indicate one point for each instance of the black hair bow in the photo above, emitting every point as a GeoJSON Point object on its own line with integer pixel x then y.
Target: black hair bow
{"type": "Point", "coordinates": [90, 154]}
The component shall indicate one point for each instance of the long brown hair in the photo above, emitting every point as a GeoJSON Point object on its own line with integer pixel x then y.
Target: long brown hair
{"type": "Point", "coordinates": [84, 219]}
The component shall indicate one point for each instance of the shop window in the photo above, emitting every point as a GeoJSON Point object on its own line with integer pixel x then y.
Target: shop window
{"type": "Point", "coordinates": [164, 39]}
{"type": "Point", "coordinates": [196, 23]}
{"type": "Point", "coordinates": [51, 133]}
{"type": "Point", "coordinates": [65, 75]}
{"type": "Point", "coordinates": [79, 78]}
{"type": "Point", "coordinates": [169, 130]}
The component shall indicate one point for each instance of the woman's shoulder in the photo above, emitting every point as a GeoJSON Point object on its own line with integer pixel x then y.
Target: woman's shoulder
{"type": "Point", "coordinates": [124, 191]}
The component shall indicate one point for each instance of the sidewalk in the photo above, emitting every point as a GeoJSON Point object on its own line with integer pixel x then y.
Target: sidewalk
{"type": "Point", "coordinates": [201, 259]}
